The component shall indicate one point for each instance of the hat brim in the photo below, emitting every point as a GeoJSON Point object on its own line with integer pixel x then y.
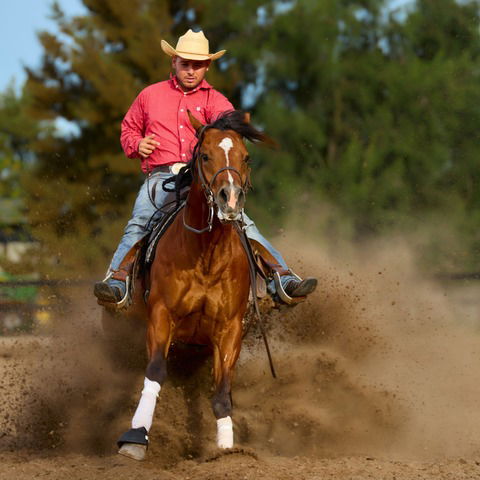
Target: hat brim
{"type": "Point", "coordinates": [169, 50]}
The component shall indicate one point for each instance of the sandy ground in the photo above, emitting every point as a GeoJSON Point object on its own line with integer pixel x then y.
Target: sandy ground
{"type": "Point", "coordinates": [378, 378]}
{"type": "Point", "coordinates": [236, 465]}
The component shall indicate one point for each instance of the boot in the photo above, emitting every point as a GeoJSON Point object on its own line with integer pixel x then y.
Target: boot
{"type": "Point", "coordinates": [291, 289]}
{"type": "Point", "coordinates": [110, 290]}
{"type": "Point", "coordinates": [286, 288]}
{"type": "Point", "coordinates": [299, 288]}
{"type": "Point", "coordinates": [113, 289]}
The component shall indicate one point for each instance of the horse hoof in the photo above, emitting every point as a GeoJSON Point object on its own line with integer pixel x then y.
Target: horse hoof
{"type": "Point", "coordinates": [133, 450]}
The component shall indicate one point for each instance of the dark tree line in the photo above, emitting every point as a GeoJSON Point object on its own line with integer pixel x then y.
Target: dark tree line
{"type": "Point", "coordinates": [376, 113]}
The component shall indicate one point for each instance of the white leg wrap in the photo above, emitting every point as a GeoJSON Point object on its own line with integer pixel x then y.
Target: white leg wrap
{"type": "Point", "coordinates": [225, 432]}
{"type": "Point", "coordinates": [144, 413]}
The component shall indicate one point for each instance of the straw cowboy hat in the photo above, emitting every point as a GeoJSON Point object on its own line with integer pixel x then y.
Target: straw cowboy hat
{"type": "Point", "coordinates": [191, 46]}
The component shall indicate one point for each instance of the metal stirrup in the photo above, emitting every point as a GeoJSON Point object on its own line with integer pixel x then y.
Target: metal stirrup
{"type": "Point", "coordinates": [280, 291]}
{"type": "Point", "coordinates": [124, 302]}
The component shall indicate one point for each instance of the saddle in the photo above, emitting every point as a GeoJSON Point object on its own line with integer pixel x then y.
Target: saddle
{"type": "Point", "coordinates": [139, 259]}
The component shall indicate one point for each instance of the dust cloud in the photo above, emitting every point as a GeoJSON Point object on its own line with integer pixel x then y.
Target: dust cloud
{"type": "Point", "coordinates": [379, 361]}
{"type": "Point", "coordinates": [61, 390]}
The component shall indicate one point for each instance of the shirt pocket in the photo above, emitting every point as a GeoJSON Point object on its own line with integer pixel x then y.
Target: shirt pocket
{"type": "Point", "coordinates": [200, 112]}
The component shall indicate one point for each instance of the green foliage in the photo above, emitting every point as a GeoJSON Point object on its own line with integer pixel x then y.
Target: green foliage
{"type": "Point", "coordinates": [377, 115]}
{"type": "Point", "coordinates": [90, 74]}
{"type": "Point", "coordinates": [17, 135]}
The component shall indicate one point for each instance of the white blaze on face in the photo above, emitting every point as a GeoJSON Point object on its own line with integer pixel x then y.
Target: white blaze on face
{"type": "Point", "coordinates": [226, 144]}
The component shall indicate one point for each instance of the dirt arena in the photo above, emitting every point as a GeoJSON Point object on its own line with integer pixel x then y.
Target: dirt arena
{"type": "Point", "coordinates": [378, 378]}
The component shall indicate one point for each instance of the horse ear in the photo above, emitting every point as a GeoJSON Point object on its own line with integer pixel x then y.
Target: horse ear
{"type": "Point", "coordinates": [196, 124]}
{"type": "Point", "coordinates": [246, 117]}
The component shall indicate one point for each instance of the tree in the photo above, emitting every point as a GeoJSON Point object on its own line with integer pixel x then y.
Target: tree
{"type": "Point", "coordinates": [17, 134]}
{"type": "Point", "coordinates": [376, 115]}
{"type": "Point", "coordinates": [90, 74]}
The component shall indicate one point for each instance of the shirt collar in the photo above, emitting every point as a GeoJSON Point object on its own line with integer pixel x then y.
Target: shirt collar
{"type": "Point", "coordinates": [204, 85]}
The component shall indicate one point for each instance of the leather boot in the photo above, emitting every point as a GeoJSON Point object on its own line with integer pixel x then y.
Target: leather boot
{"type": "Point", "coordinates": [110, 290]}
{"type": "Point", "coordinates": [300, 288]}
{"type": "Point", "coordinates": [113, 288]}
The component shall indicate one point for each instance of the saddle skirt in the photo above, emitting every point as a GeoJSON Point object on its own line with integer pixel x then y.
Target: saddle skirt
{"type": "Point", "coordinates": [169, 215]}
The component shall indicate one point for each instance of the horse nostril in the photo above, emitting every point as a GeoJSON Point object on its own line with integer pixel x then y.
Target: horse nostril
{"type": "Point", "coordinates": [223, 195]}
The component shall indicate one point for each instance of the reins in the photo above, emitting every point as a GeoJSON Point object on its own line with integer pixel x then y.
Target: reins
{"type": "Point", "coordinates": [253, 286]}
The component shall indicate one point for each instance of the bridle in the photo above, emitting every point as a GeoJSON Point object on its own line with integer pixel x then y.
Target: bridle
{"type": "Point", "coordinates": [207, 185]}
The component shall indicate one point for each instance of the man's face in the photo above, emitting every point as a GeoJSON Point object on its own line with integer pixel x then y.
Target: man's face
{"type": "Point", "coordinates": [189, 72]}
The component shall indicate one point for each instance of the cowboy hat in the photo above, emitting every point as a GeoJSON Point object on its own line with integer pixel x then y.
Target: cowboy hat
{"type": "Point", "coordinates": [191, 46]}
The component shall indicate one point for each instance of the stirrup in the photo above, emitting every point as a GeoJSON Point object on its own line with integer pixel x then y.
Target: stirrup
{"type": "Point", "coordinates": [284, 297]}
{"type": "Point", "coordinates": [125, 301]}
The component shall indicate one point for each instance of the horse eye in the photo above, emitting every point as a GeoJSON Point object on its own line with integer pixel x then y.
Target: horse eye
{"type": "Point", "coordinates": [247, 158]}
{"type": "Point", "coordinates": [204, 157]}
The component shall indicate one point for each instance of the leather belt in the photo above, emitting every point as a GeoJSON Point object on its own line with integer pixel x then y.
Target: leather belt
{"type": "Point", "coordinates": [172, 168]}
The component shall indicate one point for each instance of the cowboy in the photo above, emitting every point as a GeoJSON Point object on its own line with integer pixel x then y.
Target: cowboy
{"type": "Point", "coordinates": [156, 130]}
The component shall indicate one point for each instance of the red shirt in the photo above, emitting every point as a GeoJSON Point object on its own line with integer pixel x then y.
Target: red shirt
{"type": "Point", "coordinates": [161, 109]}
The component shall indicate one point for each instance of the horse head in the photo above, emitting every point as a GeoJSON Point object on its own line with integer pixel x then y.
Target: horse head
{"type": "Point", "coordinates": [221, 160]}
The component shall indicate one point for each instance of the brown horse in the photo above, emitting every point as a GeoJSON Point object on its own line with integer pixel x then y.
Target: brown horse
{"type": "Point", "coordinates": [199, 280]}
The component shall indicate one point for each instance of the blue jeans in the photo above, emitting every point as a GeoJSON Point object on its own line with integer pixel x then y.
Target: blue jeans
{"type": "Point", "coordinates": [150, 198]}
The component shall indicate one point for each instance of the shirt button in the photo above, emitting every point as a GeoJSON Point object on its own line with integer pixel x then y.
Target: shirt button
{"type": "Point", "coordinates": [181, 126]}
{"type": "Point", "coordinates": [183, 139]}
{"type": "Point", "coordinates": [181, 110]}
{"type": "Point", "coordinates": [183, 154]}
{"type": "Point", "coordinates": [198, 109]}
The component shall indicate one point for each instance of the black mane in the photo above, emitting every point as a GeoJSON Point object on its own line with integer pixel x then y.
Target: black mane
{"type": "Point", "coordinates": [229, 120]}
{"type": "Point", "coordinates": [235, 120]}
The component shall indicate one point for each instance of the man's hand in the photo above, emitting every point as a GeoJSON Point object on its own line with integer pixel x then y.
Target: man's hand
{"type": "Point", "coordinates": [147, 145]}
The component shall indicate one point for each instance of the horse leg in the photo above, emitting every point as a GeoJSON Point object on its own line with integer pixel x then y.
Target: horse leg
{"type": "Point", "coordinates": [134, 443]}
{"type": "Point", "coordinates": [225, 355]}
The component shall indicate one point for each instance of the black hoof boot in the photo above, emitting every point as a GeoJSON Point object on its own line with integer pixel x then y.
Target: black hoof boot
{"type": "Point", "coordinates": [134, 443]}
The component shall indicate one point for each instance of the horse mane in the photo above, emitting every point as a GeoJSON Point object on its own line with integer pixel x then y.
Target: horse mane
{"type": "Point", "coordinates": [235, 120]}
{"type": "Point", "coordinates": [230, 120]}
